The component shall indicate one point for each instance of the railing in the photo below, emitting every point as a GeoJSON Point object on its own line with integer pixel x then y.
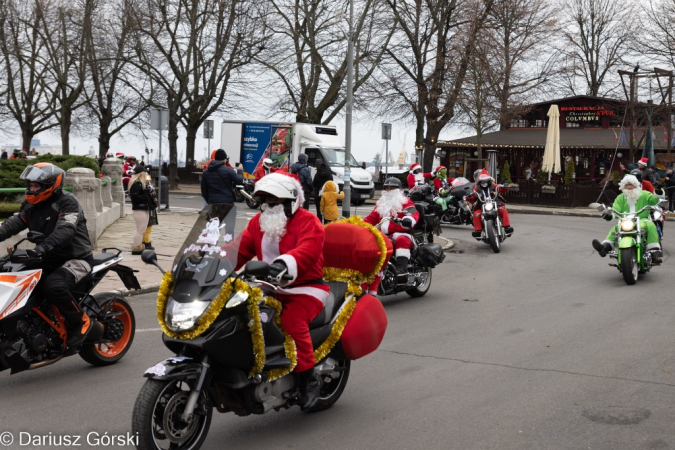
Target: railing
{"type": "Point", "coordinates": [22, 190]}
{"type": "Point", "coordinates": [574, 195]}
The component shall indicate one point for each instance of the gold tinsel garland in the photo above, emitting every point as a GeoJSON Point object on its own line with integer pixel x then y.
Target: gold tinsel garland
{"type": "Point", "coordinates": [336, 332]}
{"type": "Point", "coordinates": [289, 343]}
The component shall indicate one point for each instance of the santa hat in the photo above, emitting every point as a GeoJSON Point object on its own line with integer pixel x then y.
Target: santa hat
{"type": "Point", "coordinates": [414, 168]}
{"type": "Point", "coordinates": [119, 155]}
{"type": "Point", "coordinates": [644, 161]}
{"type": "Point", "coordinates": [484, 175]}
{"type": "Point", "coordinates": [439, 168]}
{"type": "Point", "coordinates": [284, 183]}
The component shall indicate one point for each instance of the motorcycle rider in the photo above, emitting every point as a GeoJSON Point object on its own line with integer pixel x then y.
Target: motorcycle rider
{"type": "Point", "coordinates": [290, 239]}
{"type": "Point", "coordinates": [416, 177]}
{"type": "Point", "coordinates": [394, 204]}
{"type": "Point", "coordinates": [266, 168]}
{"type": "Point", "coordinates": [485, 186]}
{"type": "Point", "coordinates": [442, 181]}
{"type": "Point", "coordinates": [633, 198]}
{"type": "Point", "coordinates": [65, 253]}
{"type": "Point", "coordinates": [646, 185]}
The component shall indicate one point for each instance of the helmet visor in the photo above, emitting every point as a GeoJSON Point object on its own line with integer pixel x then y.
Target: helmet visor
{"type": "Point", "coordinates": [37, 175]}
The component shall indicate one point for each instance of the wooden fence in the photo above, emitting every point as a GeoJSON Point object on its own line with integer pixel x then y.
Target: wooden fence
{"type": "Point", "coordinates": [531, 192]}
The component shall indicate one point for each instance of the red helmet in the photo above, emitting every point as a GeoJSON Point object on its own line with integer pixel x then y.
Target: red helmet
{"type": "Point", "coordinates": [48, 176]}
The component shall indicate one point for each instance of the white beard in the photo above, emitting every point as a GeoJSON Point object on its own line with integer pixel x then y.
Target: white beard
{"type": "Point", "coordinates": [390, 203]}
{"type": "Point", "coordinates": [273, 222]}
{"type": "Point", "coordinates": [632, 195]}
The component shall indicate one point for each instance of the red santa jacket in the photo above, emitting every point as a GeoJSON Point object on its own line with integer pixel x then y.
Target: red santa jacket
{"type": "Point", "coordinates": [493, 187]}
{"type": "Point", "coordinates": [128, 169]}
{"type": "Point", "coordinates": [389, 227]}
{"type": "Point", "coordinates": [300, 249]}
{"type": "Point", "coordinates": [412, 180]}
{"type": "Point", "coordinates": [438, 183]}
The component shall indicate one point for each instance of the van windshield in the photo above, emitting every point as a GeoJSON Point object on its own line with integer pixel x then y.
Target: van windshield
{"type": "Point", "coordinates": [336, 157]}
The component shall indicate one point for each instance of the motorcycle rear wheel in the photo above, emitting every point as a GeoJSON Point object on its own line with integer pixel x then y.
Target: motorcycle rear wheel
{"type": "Point", "coordinates": [149, 417]}
{"type": "Point", "coordinates": [492, 236]}
{"type": "Point", "coordinates": [106, 353]}
{"type": "Point", "coordinates": [332, 389]}
{"type": "Point", "coordinates": [629, 265]}
{"type": "Point", "coordinates": [422, 289]}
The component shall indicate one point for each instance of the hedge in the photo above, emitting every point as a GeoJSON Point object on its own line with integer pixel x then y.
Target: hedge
{"type": "Point", "coordinates": [11, 169]}
{"type": "Point", "coordinates": [8, 209]}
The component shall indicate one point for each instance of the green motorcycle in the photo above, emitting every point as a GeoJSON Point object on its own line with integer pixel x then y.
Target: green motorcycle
{"type": "Point", "coordinates": [630, 242]}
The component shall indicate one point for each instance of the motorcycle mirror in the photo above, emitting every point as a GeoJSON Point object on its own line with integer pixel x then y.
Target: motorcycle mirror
{"type": "Point", "coordinates": [35, 237]}
{"type": "Point", "coordinates": [257, 268]}
{"type": "Point", "coordinates": [150, 257]}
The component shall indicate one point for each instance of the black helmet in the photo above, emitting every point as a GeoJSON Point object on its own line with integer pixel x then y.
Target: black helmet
{"type": "Point", "coordinates": [475, 175]}
{"type": "Point", "coordinates": [637, 173]}
{"type": "Point", "coordinates": [392, 182]}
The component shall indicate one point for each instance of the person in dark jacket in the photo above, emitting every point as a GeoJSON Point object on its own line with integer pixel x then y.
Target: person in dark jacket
{"type": "Point", "coordinates": [323, 174]}
{"type": "Point", "coordinates": [304, 173]}
{"type": "Point", "coordinates": [65, 254]}
{"type": "Point", "coordinates": [218, 183]}
{"type": "Point", "coordinates": [670, 189]}
{"type": "Point", "coordinates": [142, 204]}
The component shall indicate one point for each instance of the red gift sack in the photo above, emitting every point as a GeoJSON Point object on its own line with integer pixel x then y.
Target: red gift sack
{"type": "Point", "coordinates": [365, 329]}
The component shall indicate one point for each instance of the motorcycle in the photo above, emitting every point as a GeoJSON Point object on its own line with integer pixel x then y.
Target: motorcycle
{"type": "Point", "coordinates": [231, 352]}
{"type": "Point", "coordinates": [32, 330]}
{"type": "Point", "coordinates": [493, 232]}
{"type": "Point", "coordinates": [423, 258]}
{"type": "Point", "coordinates": [423, 198]}
{"type": "Point", "coordinates": [629, 246]}
{"type": "Point", "coordinates": [245, 192]}
{"type": "Point", "coordinates": [457, 210]}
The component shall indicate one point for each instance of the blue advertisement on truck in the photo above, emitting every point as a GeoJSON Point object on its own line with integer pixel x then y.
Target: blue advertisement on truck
{"type": "Point", "coordinates": [266, 140]}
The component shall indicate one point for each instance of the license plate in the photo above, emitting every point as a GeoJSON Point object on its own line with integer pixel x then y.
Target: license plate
{"type": "Point", "coordinates": [363, 196]}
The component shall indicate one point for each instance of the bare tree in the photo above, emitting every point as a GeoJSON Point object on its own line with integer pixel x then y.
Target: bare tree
{"type": "Point", "coordinates": [430, 62]}
{"type": "Point", "coordinates": [659, 39]}
{"type": "Point", "coordinates": [307, 54]}
{"type": "Point", "coordinates": [598, 38]}
{"type": "Point", "coordinates": [29, 104]}
{"type": "Point", "coordinates": [191, 49]}
{"type": "Point", "coordinates": [115, 92]}
{"type": "Point", "coordinates": [61, 27]}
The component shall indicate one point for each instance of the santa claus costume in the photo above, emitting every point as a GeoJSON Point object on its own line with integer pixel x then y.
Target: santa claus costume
{"type": "Point", "coordinates": [442, 181]}
{"type": "Point", "coordinates": [416, 177]}
{"type": "Point", "coordinates": [292, 235]}
{"type": "Point", "coordinates": [393, 204]}
{"type": "Point", "coordinates": [485, 187]}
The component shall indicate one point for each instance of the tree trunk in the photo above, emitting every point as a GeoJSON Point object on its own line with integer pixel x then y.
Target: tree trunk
{"type": "Point", "coordinates": [27, 134]}
{"type": "Point", "coordinates": [66, 122]}
{"type": "Point", "coordinates": [173, 150]}
{"type": "Point", "coordinates": [190, 145]}
{"type": "Point", "coordinates": [103, 140]}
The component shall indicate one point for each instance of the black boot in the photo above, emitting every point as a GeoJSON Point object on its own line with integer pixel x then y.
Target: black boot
{"type": "Point", "coordinates": [476, 234]}
{"type": "Point", "coordinates": [508, 230]}
{"type": "Point", "coordinates": [148, 246]}
{"type": "Point", "coordinates": [401, 265]}
{"type": "Point", "coordinates": [602, 248]}
{"type": "Point", "coordinates": [310, 386]}
{"type": "Point", "coordinates": [656, 256]}
{"type": "Point", "coordinates": [77, 333]}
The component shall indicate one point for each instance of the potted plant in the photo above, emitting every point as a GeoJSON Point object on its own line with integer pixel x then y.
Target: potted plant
{"type": "Point", "coordinates": [506, 178]}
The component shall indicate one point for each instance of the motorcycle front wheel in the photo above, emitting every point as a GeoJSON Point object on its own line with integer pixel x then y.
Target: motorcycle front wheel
{"type": "Point", "coordinates": [156, 417]}
{"type": "Point", "coordinates": [332, 388]}
{"type": "Point", "coordinates": [629, 265]}
{"type": "Point", "coordinates": [238, 197]}
{"type": "Point", "coordinates": [253, 204]}
{"type": "Point", "coordinates": [423, 288]}
{"type": "Point", "coordinates": [120, 328]}
{"type": "Point", "coordinates": [492, 236]}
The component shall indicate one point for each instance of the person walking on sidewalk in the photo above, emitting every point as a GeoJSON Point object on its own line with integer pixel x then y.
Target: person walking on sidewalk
{"type": "Point", "coordinates": [304, 173]}
{"type": "Point", "coordinates": [141, 204]}
{"type": "Point", "coordinates": [152, 212]}
{"type": "Point", "coordinates": [323, 174]}
{"type": "Point", "coordinates": [218, 183]}
{"type": "Point", "coordinates": [329, 199]}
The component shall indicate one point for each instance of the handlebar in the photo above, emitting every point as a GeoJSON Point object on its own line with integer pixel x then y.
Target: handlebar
{"type": "Point", "coordinates": [620, 214]}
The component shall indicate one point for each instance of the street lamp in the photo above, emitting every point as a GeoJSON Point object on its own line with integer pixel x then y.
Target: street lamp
{"type": "Point", "coordinates": [346, 203]}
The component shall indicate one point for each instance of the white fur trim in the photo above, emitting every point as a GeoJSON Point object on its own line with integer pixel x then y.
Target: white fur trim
{"type": "Point", "coordinates": [397, 235]}
{"type": "Point", "coordinates": [403, 252]}
{"type": "Point", "coordinates": [373, 293]}
{"type": "Point", "coordinates": [270, 250]}
{"type": "Point", "coordinates": [414, 222]}
{"type": "Point", "coordinates": [292, 268]}
{"type": "Point", "coordinates": [654, 246]}
{"type": "Point", "coordinates": [385, 227]}
{"type": "Point", "coordinates": [317, 293]}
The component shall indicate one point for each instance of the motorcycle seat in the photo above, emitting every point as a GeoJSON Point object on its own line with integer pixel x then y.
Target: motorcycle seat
{"type": "Point", "coordinates": [335, 300]}
{"type": "Point", "coordinates": [100, 258]}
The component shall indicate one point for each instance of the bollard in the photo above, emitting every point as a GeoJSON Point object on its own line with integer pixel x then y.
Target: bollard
{"type": "Point", "coordinates": [112, 167]}
{"type": "Point", "coordinates": [106, 195]}
{"type": "Point", "coordinates": [83, 184]}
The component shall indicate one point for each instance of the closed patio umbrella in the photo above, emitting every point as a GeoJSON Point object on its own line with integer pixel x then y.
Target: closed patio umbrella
{"type": "Point", "coordinates": [551, 162]}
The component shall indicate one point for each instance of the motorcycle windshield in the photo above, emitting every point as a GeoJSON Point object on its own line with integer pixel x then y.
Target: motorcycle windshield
{"type": "Point", "coordinates": [209, 253]}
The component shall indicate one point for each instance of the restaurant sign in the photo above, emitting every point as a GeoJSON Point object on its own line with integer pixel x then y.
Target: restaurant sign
{"type": "Point", "coordinates": [585, 113]}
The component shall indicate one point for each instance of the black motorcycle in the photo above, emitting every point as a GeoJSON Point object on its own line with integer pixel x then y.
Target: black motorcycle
{"type": "Point", "coordinates": [423, 198]}
{"type": "Point", "coordinates": [457, 211]}
{"type": "Point", "coordinates": [244, 192]}
{"type": "Point", "coordinates": [231, 353]}
{"type": "Point", "coordinates": [424, 256]}
{"type": "Point", "coordinates": [32, 330]}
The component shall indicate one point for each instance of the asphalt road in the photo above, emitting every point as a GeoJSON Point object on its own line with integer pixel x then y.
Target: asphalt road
{"type": "Point", "coordinates": [542, 346]}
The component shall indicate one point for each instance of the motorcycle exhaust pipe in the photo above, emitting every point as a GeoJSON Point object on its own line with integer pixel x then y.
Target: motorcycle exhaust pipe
{"type": "Point", "coordinates": [246, 194]}
{"type": "Point", "coordinates": [45, 363]}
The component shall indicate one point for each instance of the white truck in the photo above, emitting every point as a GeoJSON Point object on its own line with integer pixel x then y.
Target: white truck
{"type": "Point", "coordinates": [251, 142]}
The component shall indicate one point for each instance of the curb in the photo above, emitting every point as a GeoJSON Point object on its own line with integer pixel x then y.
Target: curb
{"type": "Point", "coordinates": [553, 212]}
{"type": "Point", "coordinates": [449, 244]}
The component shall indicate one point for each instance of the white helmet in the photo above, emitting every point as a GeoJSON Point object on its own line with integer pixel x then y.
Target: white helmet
{"type": "Point", "coordinates": [267, 163]}
{"type": "Point", "coordinates": [280, 186]}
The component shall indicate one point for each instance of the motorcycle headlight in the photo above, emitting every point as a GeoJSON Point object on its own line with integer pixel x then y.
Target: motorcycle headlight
{"type": "Point", "coordinates": [183, 316]}
{"type": "Point", "coordinates": [488, 206]}
{"type": "Point", "coordinates": [237, 299]}
{"type": "Point", "coordinates": [658, 216]}
{"type": "Point", "coordinates": [627, 225]}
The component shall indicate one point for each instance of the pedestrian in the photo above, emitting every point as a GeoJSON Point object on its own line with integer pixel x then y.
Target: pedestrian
{"type": "Point", "coordinates": [141, 204]}
{"type": "Point", "coordinates": [670, 190]}
{"type": "Point", "coordinates": [4, 155]}
{"type": "Point", "coordinates": [218, 184]}
{"type": "Point", "coordinates": [329, 206]}
{"type": "Point", "coordinates": [323, 174]}
{"type": "Point", "coordinates": [154, 207]}
{"type": "Point", "coordinates": [304, 173]}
